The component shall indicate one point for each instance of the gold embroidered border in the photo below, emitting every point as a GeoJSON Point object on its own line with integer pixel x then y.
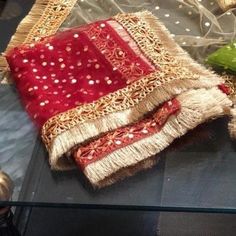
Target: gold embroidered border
{"type": "Point", "coordinates": [149, 42]}
{"type": "Point", "coordinates": [44, 19]}
{"type": "Point", "coordinates": [194, 111]}
{"type": "Point", "coordinates": [156, 48]}
{"type": "Point", "coordinates": [120, 100]}
{"type": "Point", "coordinates": [230, 80]}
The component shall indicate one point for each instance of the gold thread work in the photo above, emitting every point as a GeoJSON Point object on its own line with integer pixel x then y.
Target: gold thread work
{"type": "Point", "coordinates": [44, 19]}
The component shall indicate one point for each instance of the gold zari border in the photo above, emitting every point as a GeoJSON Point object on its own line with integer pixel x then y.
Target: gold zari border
{"type": "Point", "coordinates": [44, 19]}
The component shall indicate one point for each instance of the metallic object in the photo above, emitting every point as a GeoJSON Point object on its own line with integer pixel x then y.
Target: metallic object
{"type": "Point", "coordinates": [7, 227]}
{"type": "Point", "coordinates": [6, 187]}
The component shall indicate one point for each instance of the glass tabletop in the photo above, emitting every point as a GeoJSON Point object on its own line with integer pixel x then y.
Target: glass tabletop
{"type": "Point", "coordinates": [196, 173]}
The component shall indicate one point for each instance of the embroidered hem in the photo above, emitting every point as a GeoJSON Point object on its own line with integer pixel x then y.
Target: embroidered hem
{"type": "Point", "coordinates": [197, 106]}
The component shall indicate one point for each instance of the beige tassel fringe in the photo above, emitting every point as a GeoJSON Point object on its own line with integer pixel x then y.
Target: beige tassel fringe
{"type": "Point", "coordinates": [197, 106]}
{"type": "Point", "coordinates": [77, 135]}
{"type": "Point", "coordinates": [129, 171]}
{"type": "Point", "coordinates": [226, 4]}
{"type": "Point", "coordinates": [44, 19]}
{"type": "Point", "coordinates": [171, 46]}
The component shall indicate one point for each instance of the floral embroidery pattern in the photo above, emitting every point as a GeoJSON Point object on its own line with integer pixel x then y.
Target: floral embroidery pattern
{"type": "Point", "coordinates": [124, 136]}
{"type": "Point", "coordinates": [117, 52]}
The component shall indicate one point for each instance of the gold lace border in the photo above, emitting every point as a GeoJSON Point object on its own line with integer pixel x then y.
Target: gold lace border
{"type": "Point", "coordinates": [44, 18]}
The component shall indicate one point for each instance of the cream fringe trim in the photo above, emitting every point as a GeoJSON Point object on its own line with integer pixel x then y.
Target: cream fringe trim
{"type": "Point", "coordinates": [44, 19]}
{"type": "Point", "coordinates": [85, 131]}
{"type": "Point", "coordinates": [197, 106]}
{"type": "Point", "coordinates": [129, 171]}
{"type": "Point", "coordinates": [226, 4]}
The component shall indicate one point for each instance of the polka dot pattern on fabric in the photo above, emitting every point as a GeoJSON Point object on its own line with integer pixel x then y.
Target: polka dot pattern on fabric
{"type": "Point", "coordinates": [71, 65]}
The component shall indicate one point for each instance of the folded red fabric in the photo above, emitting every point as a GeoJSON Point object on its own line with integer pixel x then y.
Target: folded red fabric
{"type": "Point", "coordinates": [74, 67]}
{"type": "Point", "coordinates": [109, 95]}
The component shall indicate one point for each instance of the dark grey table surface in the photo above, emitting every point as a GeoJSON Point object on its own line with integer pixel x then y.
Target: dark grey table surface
{"type": "Point", "coordinates": [196, 173]}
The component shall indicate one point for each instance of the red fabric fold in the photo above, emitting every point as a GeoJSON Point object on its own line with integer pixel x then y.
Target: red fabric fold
{"type": "Point", "coordinates": [70, 69]}
{"type": "Point", "coordinates": [125, 136]}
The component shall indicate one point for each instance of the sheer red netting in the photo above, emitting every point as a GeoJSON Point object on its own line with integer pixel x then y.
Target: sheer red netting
{"type": "Point", "coordinates": [74, 67]}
